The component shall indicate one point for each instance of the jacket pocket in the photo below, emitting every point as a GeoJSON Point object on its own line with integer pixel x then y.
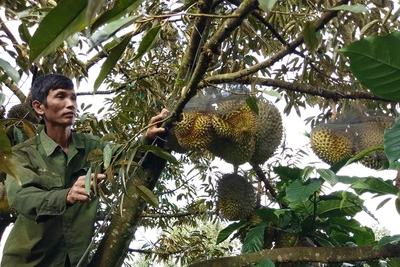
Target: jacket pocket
{"type": "Point", "coordinates": [49, 180]}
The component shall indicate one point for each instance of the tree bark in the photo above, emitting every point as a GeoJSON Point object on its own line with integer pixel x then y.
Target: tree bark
{"type": "Point", "coordinates": [306, 254]}
{"type": "Point", "coordinates": [115, 243]}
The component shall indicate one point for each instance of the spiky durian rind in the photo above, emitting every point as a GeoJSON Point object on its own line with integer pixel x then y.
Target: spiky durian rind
{"type": "Point", "coordinates": [236, 197]}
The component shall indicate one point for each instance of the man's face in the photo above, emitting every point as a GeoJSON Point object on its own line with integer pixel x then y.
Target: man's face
{"type": "Point", "coordinates": [60, 108]}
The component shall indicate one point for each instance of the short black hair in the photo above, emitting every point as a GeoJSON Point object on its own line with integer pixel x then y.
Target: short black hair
{"type": "Point", "coordinates": [42, 85]}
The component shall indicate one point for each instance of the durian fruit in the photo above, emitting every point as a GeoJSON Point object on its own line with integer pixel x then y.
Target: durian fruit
{"type": "Point", "coordinates": [238, 124]}
{"type": "Point", "coordinates": [236, 197]}
{"type": "Point", "coordinates": [284, 240]}
{"type": "Point", "coordinates": [194, 131]}
{"type": "Point", "coordinates": [269, 132]}
{"type": "Point", "coordinates": [331, 143]}
{"type": "Point", "coordinates": [235, 131]}
{"type": "Point", "coordinates": [270, 233]}
{"type": "Point", "coordinates": [231, 130]}
{"type": "Point", "coordinates": [233, 152]}
{"type": "Point", "coordinates": [370, 135]}
{"type": "Point", "coordinates": [22, 111]}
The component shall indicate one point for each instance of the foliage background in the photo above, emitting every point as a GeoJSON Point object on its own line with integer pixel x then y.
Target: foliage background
{"type": "Point", "coordinates": [164, 58]}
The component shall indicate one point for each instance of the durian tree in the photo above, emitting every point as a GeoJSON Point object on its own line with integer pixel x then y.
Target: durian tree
{"type": "Point", "coordinates": [329, 55]}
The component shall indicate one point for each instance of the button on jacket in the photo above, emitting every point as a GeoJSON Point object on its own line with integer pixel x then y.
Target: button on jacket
{"type": "Point", "coordinates": [48, 229]}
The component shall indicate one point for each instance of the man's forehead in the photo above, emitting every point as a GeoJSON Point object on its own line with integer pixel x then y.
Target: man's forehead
{"type": "Point", "coordinates": [67, 90]}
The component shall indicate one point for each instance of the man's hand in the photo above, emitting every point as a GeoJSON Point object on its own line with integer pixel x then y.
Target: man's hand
{"type": "Point", "coordinates": [155, 128]}
{"type": "Point", "coordinates": [77, 193]}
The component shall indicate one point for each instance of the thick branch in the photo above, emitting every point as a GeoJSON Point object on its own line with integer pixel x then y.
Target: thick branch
{"type": "Point", "coordinates": [212, 47]}
{"type": "Point", "coordinates": [123, 227]}
{"type": "Point", "coordinates": [303, 88]}
{"type": "Point", "coordinates": [305, 254]}
{"type": "Point", "coordinates": [15, 89]}
{"type": "Point", "coordinates": [199, 33]}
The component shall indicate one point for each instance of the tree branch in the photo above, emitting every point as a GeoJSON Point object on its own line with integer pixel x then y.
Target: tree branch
{"type": "Point", "coordinates": [295, 87]}
{"type": "Point", "coordinates": [306, 254]}
{"type": "Point", "coordinates": [15, 89]}
{"type": "Point", "coordinates": [261, 176]}
{"type": "Point", "coordinates": [174, 215]}
{"type": "Point", "coordinates": [123, 227]}
{"type": "Point", "coordinates": [290, 48]}
{"type": "Point", "coordinates": [199, 33]}
{"type": "Point", "coordinates": [212, 47]}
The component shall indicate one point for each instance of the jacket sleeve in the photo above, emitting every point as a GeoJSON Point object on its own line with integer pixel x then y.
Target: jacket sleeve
{"type": "Point", "coordinates": [31, 198]}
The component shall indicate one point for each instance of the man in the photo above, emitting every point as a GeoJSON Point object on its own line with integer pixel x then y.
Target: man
{"type": "Point", "coordinates": [56, 221]}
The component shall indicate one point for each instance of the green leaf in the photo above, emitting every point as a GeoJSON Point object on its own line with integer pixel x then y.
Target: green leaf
{"type": "Point", "coordinates": [328, 176]}
{"type": "Point", "coordinates": [266, 5]}
{"type": "Point", "coordinates": [120, 9]}
{"type": "Point", "coordinates": [88, 181]}
{"type": "Point", "coordinates": [298, 192]}
{"type": "Point", "coordinates": [266, 214]}
{"type": "Point", "coordinates": [374, 62]}
{"type": "Point", "coordinates": [362, 235]}
{"type": "Point", "coordinates": [383, 202]}
{"type": "Point", "coordinates": [287, 174]}
{"type": "Point", "coordinates": [147, 42]}
{"type": "Point", "coordinates": [7, 163]}
{"type": "Point", "coordinates": [111, 61]}
{"type": "Point", "coordinates": [227, 231]}
{"type": "Point", "coordinates": [358, 8]}
{"type": "Point", "coordinates": [110, 29]}
{"type": "Point", "coordinates": [254, 240]}
{"type": "Point", "coordinates": [363, 153]}
{"type": "Point", "coordinates": [93, 8]}
{"type": "Point", "coordinates": [339, 165]}
{"type": "Point", "coordinates": [2, 98]}
{"type": "Point", "coordinates": [336, 208]}
{"type": "Point", "coordinates": [107, 155]}
{"type": "Point", "coordinates": [393, 262]}
{"type": "Point", "coordinates": [24, 33]}
{"type": "Point", "coordinates": [392, 240]}
{"type": "Point", "coordinates": [59, 24]}
{"type": "Point", "coordinates": [265, 263]}
{"type": "Point", "coordinates": [9, 70]}
{"type": "Point", "coordinates": [310, 38]}
{"type": "Point", "coordinates": [160, 153]}
{"type": "Point", "coordinates": [272, 93]}
{"type": "Point", "coordinates": [121, 174]}
{"type": "Point", "coordinates": [391, 142]}
{"type": "Point", "coordinates": [307, 173]}
{"type": "Point", "coordinates": [306, 208]}
{"type": "Point", "coordinates": [374, 185]}
{"type": "Point", "coordinates": [251, 101]}
{"type": "Point", "coordinates": [148, 196]}
{"type": "Point", "coordinates": [397, 205]}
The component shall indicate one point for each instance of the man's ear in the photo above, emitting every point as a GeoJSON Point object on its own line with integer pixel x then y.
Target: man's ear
{"type": "Point", "coordinates": [38, 107]}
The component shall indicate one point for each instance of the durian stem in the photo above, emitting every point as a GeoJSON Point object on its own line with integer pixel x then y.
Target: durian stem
{"type": "Point", "coordinates": [263, 178]}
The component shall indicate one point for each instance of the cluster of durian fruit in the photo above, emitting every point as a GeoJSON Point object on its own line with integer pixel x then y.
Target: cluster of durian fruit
{"type": "Point", "coordinates": [230, 130]}
{"type": "Point", "coordinates": [334, 141]}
